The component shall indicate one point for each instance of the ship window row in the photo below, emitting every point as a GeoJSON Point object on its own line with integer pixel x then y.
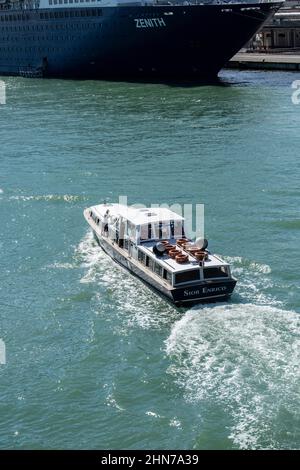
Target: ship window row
{"type": "Point", "coordinates": [155, 267]}
{"type": "Point", "coordinates": [48, 38]}
{"type": "Point", "coordinates": [36, 48]}
{"type": "Point", "coordinates": [39, 49]}
{"type": "Point", "coordinates": [71, 13]}
{"type": "Point", "coordinates": [14, 17]}
{"type": "Point", "coordinates": [55, 14]}
{"type": "Point", "coordinates": [50, 28]}
{"type": "Point", "coordinates": [61, 2]}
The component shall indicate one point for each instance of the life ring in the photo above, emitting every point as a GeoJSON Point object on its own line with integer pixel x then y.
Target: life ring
{"type": "Point", "coordinates": [181, 241]}
{"type": "Point", "coordinates": [191, 249]}
{"type": "Point", "coordinates": [181, 258]}
{"type": "Point", "coordinates": [200, 255]}
{"type": "Point", "coordinates": [173, 253]}
{"type": "Point", "coordinates": [169, 247]}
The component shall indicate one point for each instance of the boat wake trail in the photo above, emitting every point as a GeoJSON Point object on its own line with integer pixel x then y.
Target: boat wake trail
{"type": "Point", "coordinates": [131, 301]}
{"type": "Point", "coordinates": [90, 257]}
{"type": "Point", "coordinates": [239, 361]}
{"type": "Point", "coordinates": [242, 362]}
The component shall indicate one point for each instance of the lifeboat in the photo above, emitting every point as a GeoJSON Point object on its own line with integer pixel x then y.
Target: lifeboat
{"type": "Point", "coordinates": [200, 255]}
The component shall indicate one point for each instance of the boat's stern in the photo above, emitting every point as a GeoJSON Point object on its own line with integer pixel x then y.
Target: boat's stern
{"type": "Point", "coordinates": [207, 280]}
{"type": "Point", "coordinates": [204, 292]}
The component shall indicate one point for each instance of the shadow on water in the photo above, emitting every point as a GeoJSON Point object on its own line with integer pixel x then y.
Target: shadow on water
{"type": "Point", "coordinates": [227, 78]}
{"type": "Point", "coordinates": [182, 83]}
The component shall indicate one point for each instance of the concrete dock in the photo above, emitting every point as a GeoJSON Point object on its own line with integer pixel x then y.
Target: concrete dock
{"type": "Point", "coordinates": [264, 61]}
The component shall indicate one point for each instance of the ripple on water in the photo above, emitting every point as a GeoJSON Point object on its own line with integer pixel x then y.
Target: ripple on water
{"type": "Point", "coordinates": [244, 358]}
{"type": "Point", "coordinates": [49, 197]}
{"type": "Point", "coordinates": [133, 302]}
{"type": "Point", "coordinates": [254, 282]}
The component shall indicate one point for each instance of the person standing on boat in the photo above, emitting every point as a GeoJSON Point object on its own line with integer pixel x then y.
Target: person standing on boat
{"type": "Point", "coordinates": [105, 222]}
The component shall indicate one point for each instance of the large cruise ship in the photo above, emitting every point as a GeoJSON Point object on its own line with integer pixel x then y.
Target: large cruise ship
{"type": "Point", "coordinates": [125, 39]}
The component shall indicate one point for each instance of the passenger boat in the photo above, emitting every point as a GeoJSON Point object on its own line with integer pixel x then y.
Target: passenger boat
{"type": "Point", "coordinates": [151, 244]}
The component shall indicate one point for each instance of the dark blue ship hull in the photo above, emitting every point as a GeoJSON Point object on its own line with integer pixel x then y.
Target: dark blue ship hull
{"type": "Point", "coordinates": [192, 41]}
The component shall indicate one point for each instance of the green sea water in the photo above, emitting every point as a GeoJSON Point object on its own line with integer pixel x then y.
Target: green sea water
{"type": "Point", "coordinates": [94, 359]}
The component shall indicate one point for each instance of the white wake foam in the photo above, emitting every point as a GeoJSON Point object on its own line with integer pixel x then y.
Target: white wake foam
{"type": "Point", "coordinates": [254, 281]}
{"type": "Point", "coordinates": [244, 358]}
{"type": "Point", "coordinates": [60, 266]}
{"type": "Point", "coordinates": [49, 197]}
{"type": "Point", "coordinates": [133, 302]}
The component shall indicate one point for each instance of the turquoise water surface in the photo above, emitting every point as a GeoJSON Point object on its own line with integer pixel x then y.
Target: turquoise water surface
{"type": "Point", "coordinates": [94, 359]}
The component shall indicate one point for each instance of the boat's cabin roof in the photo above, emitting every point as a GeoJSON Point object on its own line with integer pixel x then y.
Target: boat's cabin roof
{"type": "Point", "coordinates": [138, 231]}
{"type": "Point", "coordinates": [137, 216]}
{"type": "Point", "coordinates": [212, 261]}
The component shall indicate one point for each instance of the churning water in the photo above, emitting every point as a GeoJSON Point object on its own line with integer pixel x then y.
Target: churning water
{"type": "Point", "coordinates": [94, 359]}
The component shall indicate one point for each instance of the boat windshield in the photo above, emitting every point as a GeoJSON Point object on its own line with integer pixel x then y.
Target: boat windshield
{"type": "Point", "coordinates": [162, 230]}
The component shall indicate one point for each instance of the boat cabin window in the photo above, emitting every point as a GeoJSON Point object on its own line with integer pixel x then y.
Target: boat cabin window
{"type": "Point", "coordinates": [131, 230]}
{"type": "Point", "coordinates": [145, 232]}
{"type": "Point", "coordinates": [187, 276]}
{"type": "Point", "coordinates": [177, 229]}
{"type": "Point", "coordinates": [162, 230]}
{"type": "Point", "coordinates": [141, 257]}
{"type": "Point", "coordinates": [219, 271]}
{"type": "Point", "coordinates": [167, 276]}
{"type": "Point", "coordinates": [158, 269]}
{"type": "Point", "coordinates": [149, 262]}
